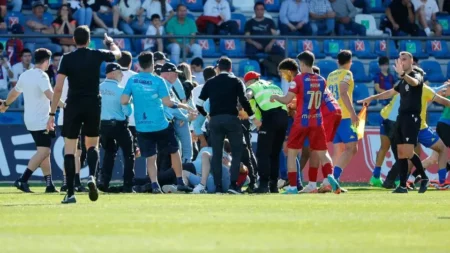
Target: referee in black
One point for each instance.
(407, 126)
(83, 104)
(224, 91)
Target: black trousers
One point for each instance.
(222, 126)
(248, 156)
(134, 134)
(115, 134)
(270, 142)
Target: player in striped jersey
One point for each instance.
(308, 88)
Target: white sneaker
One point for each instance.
(428, 31)
(325, 186)
(309, 189)
(199, 189)
(169, 188)
(116, 31)
(281, 183)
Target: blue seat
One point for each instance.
(381, 46)
(54, 4)
(326, 67)
(189, 15)
(248, 65)
(373, 68)
(359, 73)
(448, 70)
(123, 44)
(360, 92)
(373, 119)
(376, 6)
(193, 5)
(135, 65)
(174, 3)
(208, 48)
(362, 49)
(287, 46)
(414, 47)
(433, 70)
(444, 20)
(310, 45)
(231, 48)
(13, 18)
(240, 19)
(438, 49)
(433, 118)
(333, 47)
(271, 5)
(97, 42)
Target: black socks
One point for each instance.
(92, 160)
(69, 165)
(26, 175)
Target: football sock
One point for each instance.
(442, 175)
(312, 174)
(64, 180)
(26, 175)
(376, 172)
(418, 164)
(403, 163)
(69, 165)
(327, 169)
(292, 176)
(48, 180)
(92, 159)
(337, 173)
(155, 185)
(77, 179)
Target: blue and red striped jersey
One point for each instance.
(329, 104)
(309, 89)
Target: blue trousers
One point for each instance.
(184, 136)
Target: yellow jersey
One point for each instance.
(427, 96)
(390, 111)
(333, 83)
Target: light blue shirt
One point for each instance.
(198, 161)
(291, 11)
(176, 113)
(147, 91)
(197, 124)
(179, 89)
(112, 109)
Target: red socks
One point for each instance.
(292, 177)
(312, 174)
(242, 177)
(327, 169)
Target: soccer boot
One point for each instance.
(424, 183)
(291, 190)
(63, 188)
(376, 182)
(22, 186)
(389, 184)
(128, 189)
(69, 200)
(199, 189)
(335, 187)
(51, 189)
(93, 192)
(184, 188)
(234, 190)
(325, 186)
(400, 190)
(80, 188)
(157, 191)
(273, 187)
(170, 189)
(308, 189)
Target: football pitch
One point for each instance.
(363, 220)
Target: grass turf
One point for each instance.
(361, 221)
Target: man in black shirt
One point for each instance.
(408, 120)
(401, 19)
(223, 92)
(83, 104)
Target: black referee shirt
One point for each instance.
(223, 92)
(82, 68)
(410, 96)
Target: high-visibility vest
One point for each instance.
(261, 94)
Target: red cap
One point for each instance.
(251, 75)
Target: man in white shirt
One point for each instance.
(154, 7)
(426, 14)
(17, 70)
(220, 9)
(37, 91)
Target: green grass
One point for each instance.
(360, 221)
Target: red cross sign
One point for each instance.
(436, 46)
(229, 45)
(359, 45)
(203, 44)
(307, 45)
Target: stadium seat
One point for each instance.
(311, 45)
(362, 49)
(448, 70)
(193, 5)
(54, 4)
(231, 48)
(123, 44)
(240, 19)
(369, 22)
(444, 20)
(373, 68)
(174, 3)
(289, 47)
(376, 6)
(414, 47)
(271, 5)
(208, 48)
(326, 67)
(373, 119)
(333, 47)
(13, 18)
(433, 118)
(433, 70)
(96, 43)
(135, 65)
(359, 73)
(381, 46)
(438, 49)
(248, 65)
(361, 91)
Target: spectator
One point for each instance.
(5, 63)
(160, 58)
(65, 24)
(106, 15)
(53, 68)
(260, 25)
(294, 18)
(160, 7)
(14, 46)
(219, 9)
(426, 14)
(81, 11)
(383, 80)
(363, 4)
(4, 73)
(38, 23)
(197, 70)
(321, 17)
(3, 27)
(444, 6)
(132, 18)
(401, 20)
(3, 8)
(17, 70)
(345, 14)
(186, 80)
(180, 25)
(154, 29)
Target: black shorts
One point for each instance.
(81, 142)
(443, 131)
(407, 129)
(42, 138)
(86, 114)
(163, 140)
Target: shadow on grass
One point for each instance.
(24, 204)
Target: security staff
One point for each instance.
(114, 129)
(223, 92)
(271, 133)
